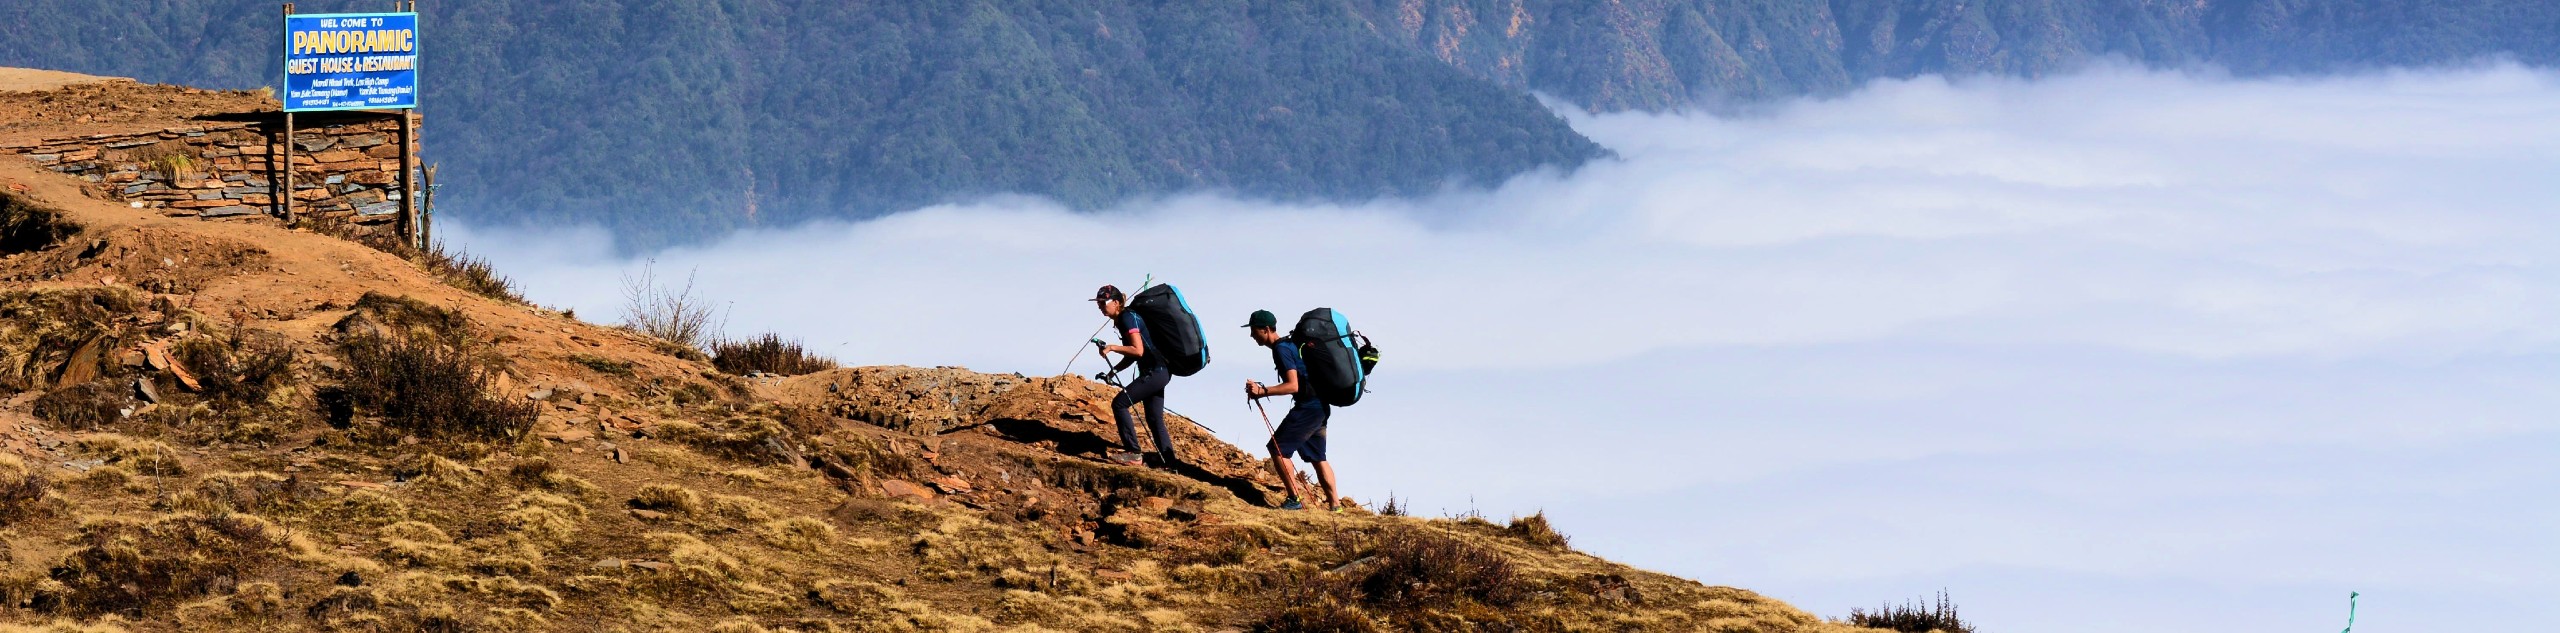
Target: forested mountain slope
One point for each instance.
(670, 120)
(1660, 54)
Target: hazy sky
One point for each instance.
(2122, 351)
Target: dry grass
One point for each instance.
(120, 564)
(1321, 615)
(545, 518)
(755, 440)
(422, 506)
(768, 353)
(669, 498)
(108, 624)
(253, 492)
(799, 534)
(143, 456)
(602, 365)
(540, 474)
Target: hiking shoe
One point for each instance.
(1128, 459)
(1292, 504)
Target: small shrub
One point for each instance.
(1915, 617)
(769, 353)
(418, 385)
(1412, 568)
(672, 314)
(468, 272)
(235, 371)
(83, 406)
(1534, 530)
(455, 267)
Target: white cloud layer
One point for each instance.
(2122, 351)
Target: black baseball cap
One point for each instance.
(1109, 293)
(1263, 319)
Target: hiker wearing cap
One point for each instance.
(1147, 389)
(1301, 432)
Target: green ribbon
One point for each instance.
(2351, 612)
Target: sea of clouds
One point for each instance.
(2125, 350)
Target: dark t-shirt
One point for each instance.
(1284, 359)
(1131, 325)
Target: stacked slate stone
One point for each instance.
(348, 171)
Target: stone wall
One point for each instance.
(346, 166)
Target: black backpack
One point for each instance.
(1173, 334)
(1338, 359)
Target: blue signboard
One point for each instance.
(350, 61)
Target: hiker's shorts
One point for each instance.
(1302, 431)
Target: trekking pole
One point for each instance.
(1266, 417)
(1090, 340)
(1096, 337)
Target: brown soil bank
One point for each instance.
(233, 425)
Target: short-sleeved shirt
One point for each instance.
(1285, 359)
(1130, 324)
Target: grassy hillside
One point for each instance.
(233, 426)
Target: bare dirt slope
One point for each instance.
(235, 425)
(40, 104)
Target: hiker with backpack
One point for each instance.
(1146, 389)
(1302, 430)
